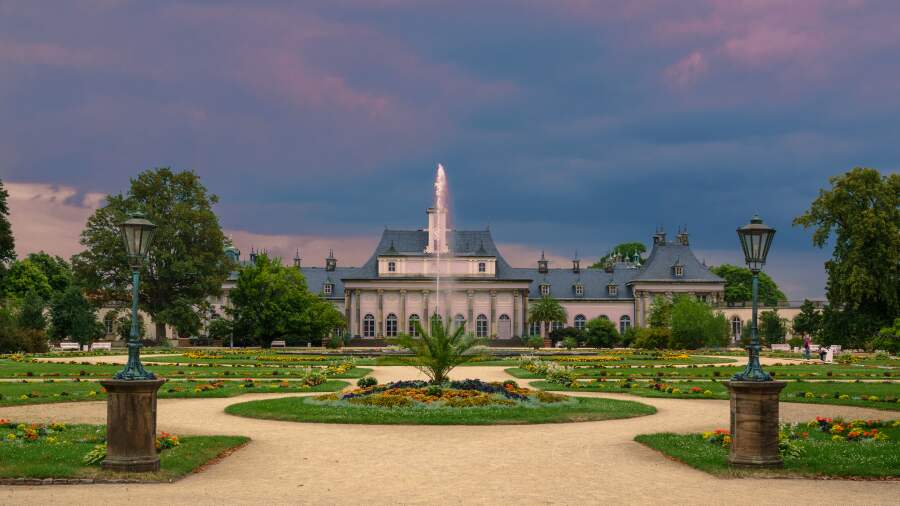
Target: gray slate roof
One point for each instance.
(658, 266)
(317, 276)
(595, 281)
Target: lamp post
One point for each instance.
(754, 396)
(131, 394)
(137, 232)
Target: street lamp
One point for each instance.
(137, 232)
(754, 396)
(756, 237)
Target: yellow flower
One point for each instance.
(837, 438)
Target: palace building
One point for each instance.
(461, 275)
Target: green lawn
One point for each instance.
(38, 392)
(822, 457)
(858, 392)
(823, 372)
(63, 459)
(302, 410)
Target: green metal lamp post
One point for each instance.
(137, 232)
(756, 237)
(754, 395)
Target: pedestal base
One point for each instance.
(754, 423)
(131, 425)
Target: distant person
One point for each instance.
(806, 343)
(822, 353)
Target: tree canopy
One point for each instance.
(271, 301)
(55, 268)
(601, 333)
(73, 316)
(660, 312)
(738, 285)
(546, 310)
(808, 321)
(860, 215)
(772, 328)
(23, 277)
(186, 263)
(7, 243)
(625, 250)
(695, 325)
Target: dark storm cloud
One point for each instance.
(564, 125)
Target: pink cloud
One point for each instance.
(687, 70)
(49, 218)
(43, 53)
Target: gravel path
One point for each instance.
(579, 463)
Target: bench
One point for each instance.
(781, 347)
(278, 344)
(69, 346)
(101, 345)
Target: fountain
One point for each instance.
(437, 233)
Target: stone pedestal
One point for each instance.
(754, 423)
(131, 425)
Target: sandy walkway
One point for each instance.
(582, 463)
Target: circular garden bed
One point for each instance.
(467, 402)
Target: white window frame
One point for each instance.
(328, 289)
(580, 321)
(481, 326)
(579, 289)
(624, 323)
(392, 266)
(678, 271)
(612, 290)
(390, 325)
(411, 325)
(368, 325)
(545, 289)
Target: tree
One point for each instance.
(565, 333)
(123, 325)
(13, 337)
(439, 351)
(271, 302)
(7, 243)
(55, 268)
(660, 313)
(888, 339)
(73, 316)
(808, 321)
(220, 328)
(650, 338)
(31, 316)
(545, 311)
(694, 325)
(601, 333)
(186, 263)
(625, 250)
(772, 327)
(861, 214)
(23, 277)
(738, 285)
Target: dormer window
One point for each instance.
(678, 271)
(392, 266)
(545, 289)
(482, 267)
(612, 290)
(579, 289)
(328, 288)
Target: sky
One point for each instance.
(564, 126)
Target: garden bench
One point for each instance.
(278, 344)
(101, 345)
(781, 347)
(69, 346)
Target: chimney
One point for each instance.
(543, 264)
(576, 263)
(659, 237)
(297, 259)
(330, 262)
(682, 236)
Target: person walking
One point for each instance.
(806, 342)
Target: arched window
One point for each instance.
(604, 317)
(413, 320)
(556, 326)
(624, 323)
(736, 327)
(369, 326)
(580, 321)
(534, 329)
(458, 321)
(390, 325)
(481, 326)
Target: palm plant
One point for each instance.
(439, 351)
(545, 311)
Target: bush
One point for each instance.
(653, 338)
(795, 342)
(367, 381)
(570, 343)
(694, 325)
(627, 339)
(601, 333)
(334, 342)
(567, 333)
(888, 339)
(536, 342)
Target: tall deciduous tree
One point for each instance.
(625, 250)
(772, 327)
(660, 312)
(186, 263)
(545, 311)
(73, 316)
(808, 321)
(31, 315)
(861, 214)
(738, 285)
(23, 277)
(694, 325)
(55, 268)
(601, 333)
(271, 302)
(7, 243)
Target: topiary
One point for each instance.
(536, 342)
(366, 382)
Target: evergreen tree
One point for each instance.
(860, 213)
(772, 327)
(31, 315)
(186, 263)
(808, 321)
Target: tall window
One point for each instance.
(481, 326)
(534, 329)
(109, 322)
(736, 328)
(368, 326)
(580, 321)
(413, 320)
(458, 321)
(390, 325)
(482, 267)
(624, 323)
(545, 289)
(392, 266)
